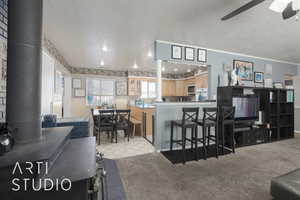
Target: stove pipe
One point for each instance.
(23, 109)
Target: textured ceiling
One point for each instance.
(129, 28)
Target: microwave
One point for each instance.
(191, 89)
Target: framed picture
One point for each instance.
(189, 54)
(244, 69)
(202, 55)
(79, 93)
(4, 70)
(278, 85)
(258, 77)
(121, 87)
(176, 52)
(77, 83)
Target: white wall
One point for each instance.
(47, 83)
(49, 103)
(297, 102)
(67, 97)
(79, 107)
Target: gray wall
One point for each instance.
(297, 103)
(216, 60)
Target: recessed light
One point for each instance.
(175, 70)
(102, 63)
(189, 70)
(163, 69)
(150, 54)
(135, 66)
(104, 48)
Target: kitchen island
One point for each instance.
(164, 113)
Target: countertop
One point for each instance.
(52, 139)
(147, 106)
(184, 103)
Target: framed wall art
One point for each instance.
(258, 77)
(244, 69)
(189, 54)
(121, 88)
(201, 55)
(176, 52)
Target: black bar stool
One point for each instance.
(209, 120)
(227, 119)
(189, 121)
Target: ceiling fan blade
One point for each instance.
(289, 12)
(242, 9)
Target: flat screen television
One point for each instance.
(246, 107)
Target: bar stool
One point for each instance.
(209, 120)
(189, 121)
(227, 119)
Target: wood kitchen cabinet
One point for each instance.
(164, 91)
(180, 88)
(137, 113)
(188, 82)
(202, 81)
(168, 88)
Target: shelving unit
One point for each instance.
(2, 106)
(282, 110)
(278, 108)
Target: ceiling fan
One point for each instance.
(288, 8)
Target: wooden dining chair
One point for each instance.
(96, 124)
(106, 122)
(122, 123)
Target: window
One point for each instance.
(148, 90)
(100, 91)
(144, 89)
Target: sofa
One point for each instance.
(80, 125)
(287, 186)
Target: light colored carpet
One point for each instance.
(244, 175)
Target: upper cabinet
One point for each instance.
(168, 88)
(180, 88)
(201, 81)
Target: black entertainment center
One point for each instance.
(262, 114)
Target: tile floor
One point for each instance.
(123, 149)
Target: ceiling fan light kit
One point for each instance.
(288, 8)
(279, 5)
(289, 12)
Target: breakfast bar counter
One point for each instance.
(164, 113)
